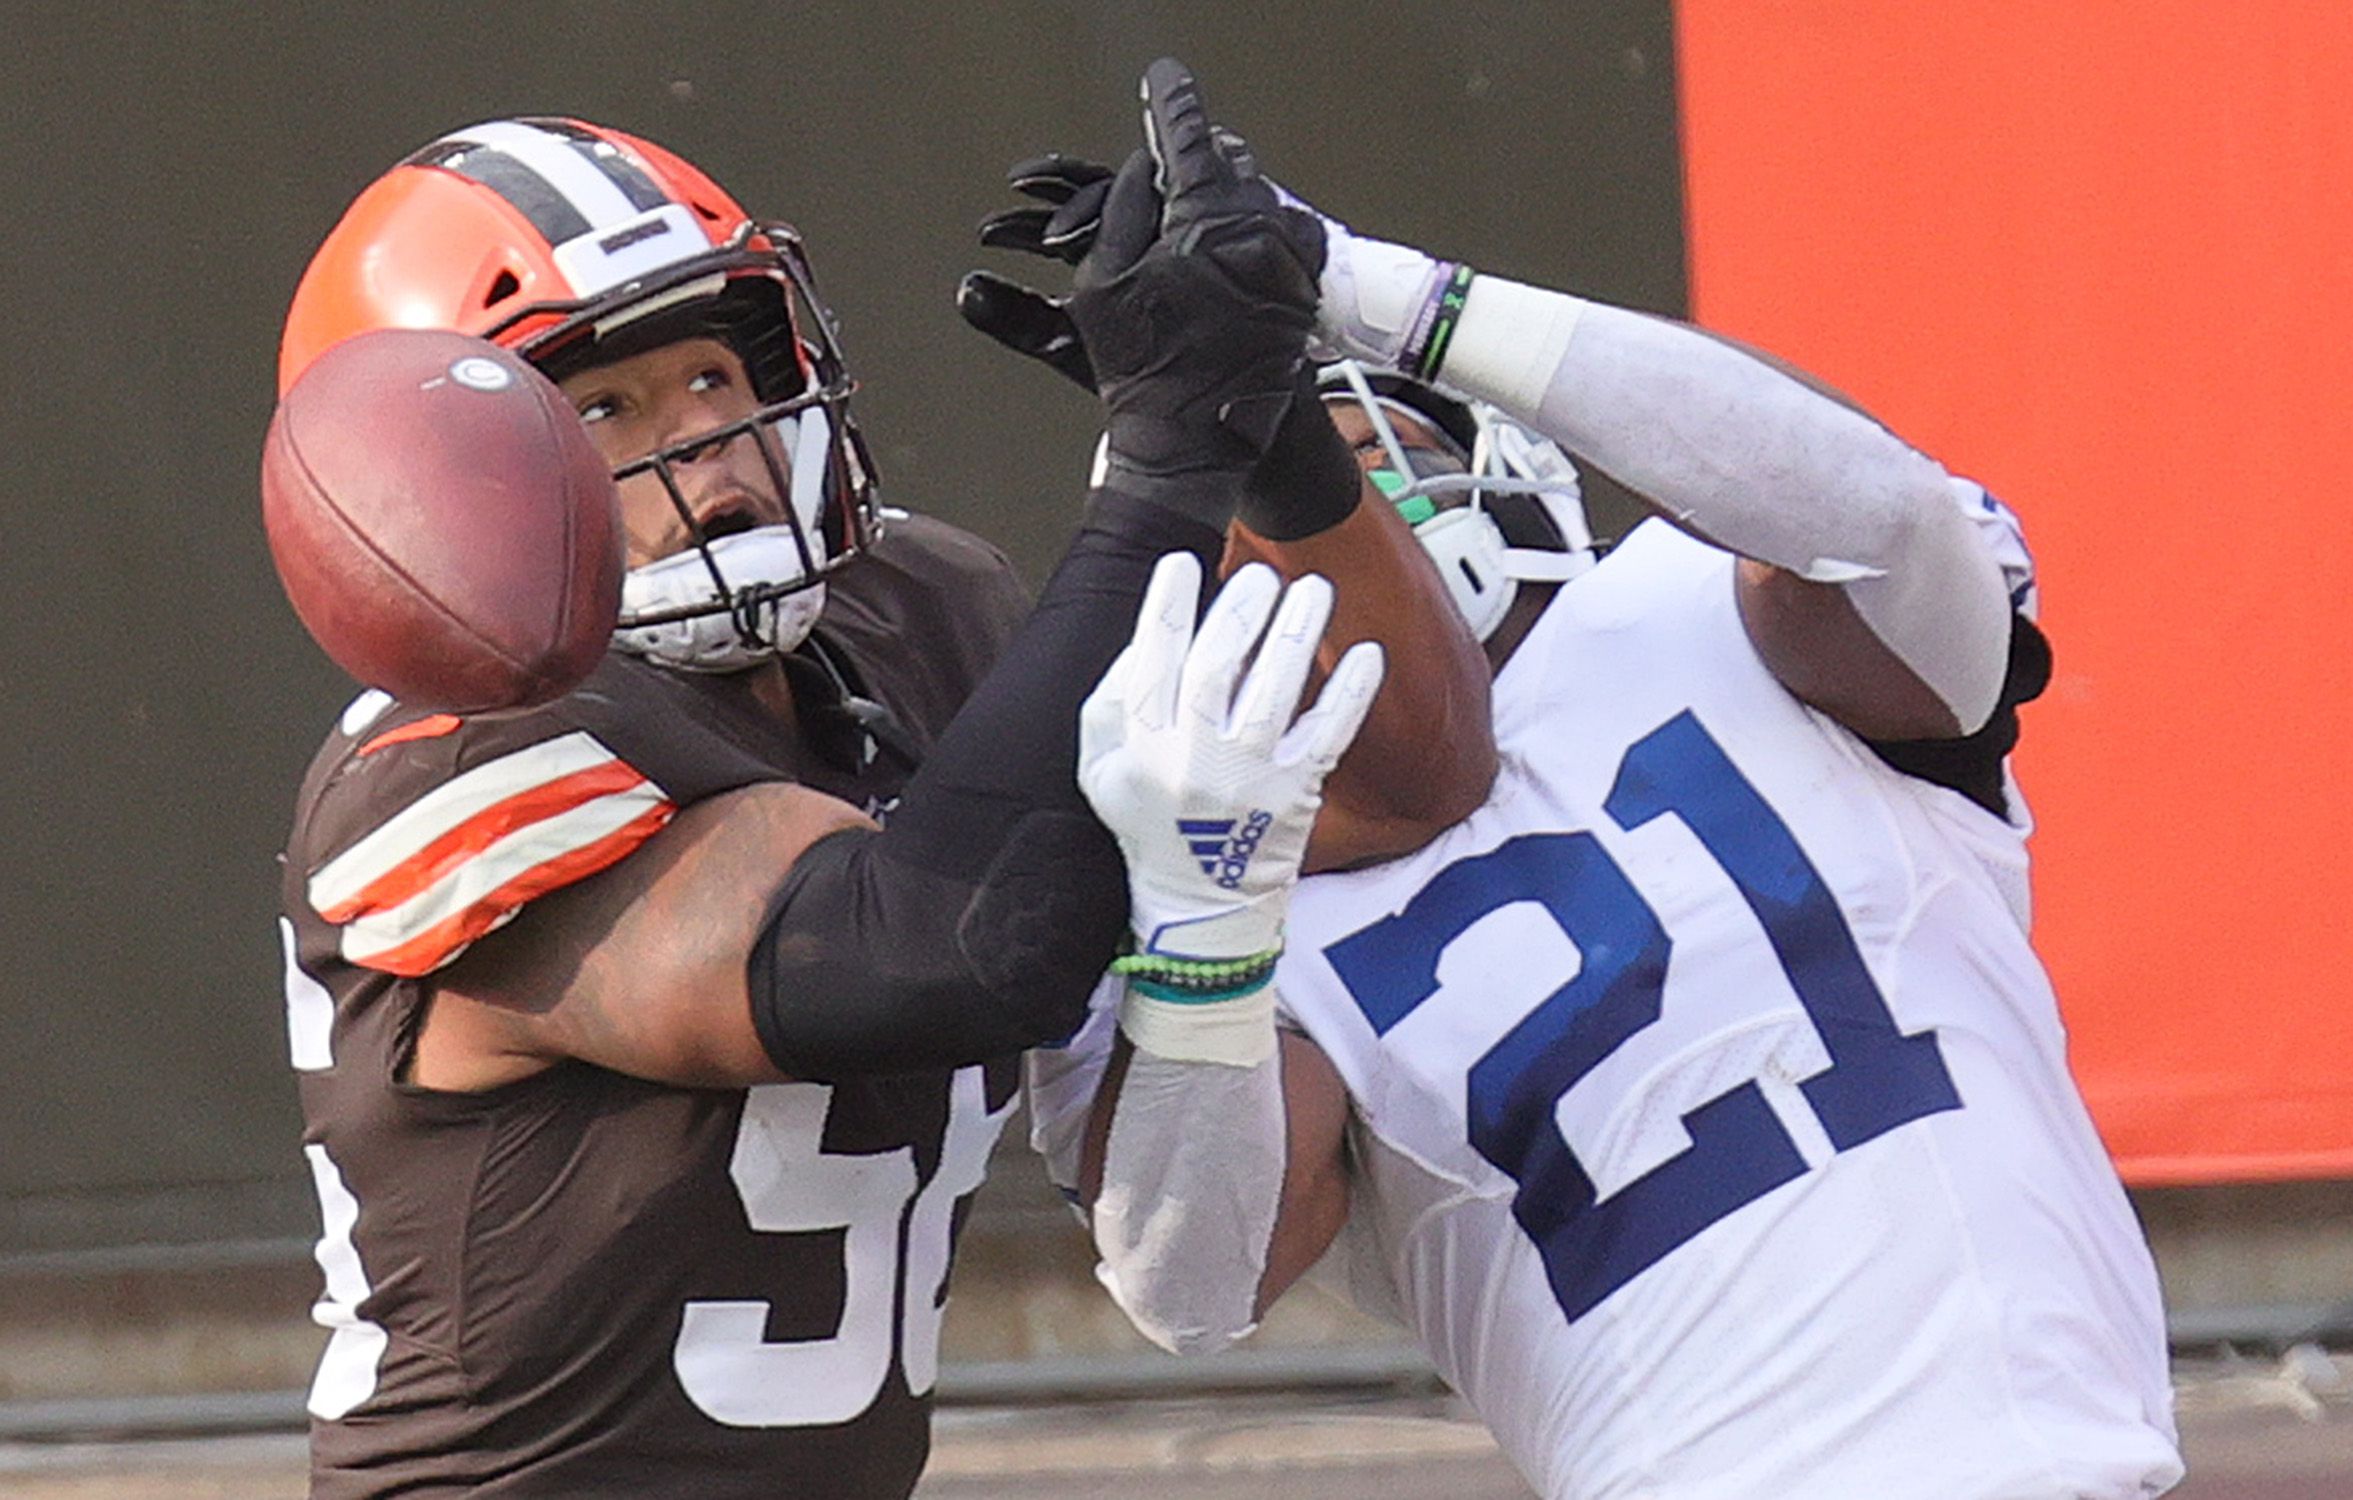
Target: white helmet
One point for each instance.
(1525, 515)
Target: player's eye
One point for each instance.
(713, 379)
(599, 409)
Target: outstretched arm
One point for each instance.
(1212, 1169)
(1869, 591)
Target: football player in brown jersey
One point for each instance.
(650, 1040)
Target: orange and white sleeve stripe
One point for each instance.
(466, 857)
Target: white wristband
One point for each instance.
(1239, 1033)
(1509, 343)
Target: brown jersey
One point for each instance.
(584, 1283)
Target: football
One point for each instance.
(441, 521)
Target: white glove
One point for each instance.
(1211, 791)
(1379, 303)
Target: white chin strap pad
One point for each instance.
(1483, 573)
(1467, 546)
(710, 642)
(768, 555)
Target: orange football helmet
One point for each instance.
(572, 243)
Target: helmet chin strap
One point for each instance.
(1468, 549)
(1482, 571)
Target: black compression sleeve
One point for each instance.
(873, 964)
(1972, 765)
(1014, 747)
(977, 923)
(1308, 481)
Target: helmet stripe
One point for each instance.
(560, 180)
(642, 191)
(579, 177)
(531, 195)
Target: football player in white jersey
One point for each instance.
(1699, 1102)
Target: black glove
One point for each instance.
(1023, 319)
(1194, 304)
(1190, 314)
(1076, 189)
(1026, 321)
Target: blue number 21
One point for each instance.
(1878, 1077)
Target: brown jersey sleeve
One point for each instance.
(419, 833)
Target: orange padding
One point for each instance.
(2098, 257)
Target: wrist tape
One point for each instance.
(1238, 1032)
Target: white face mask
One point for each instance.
(768, 556)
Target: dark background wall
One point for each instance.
(171, 165)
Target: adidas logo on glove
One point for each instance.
(1224, 853)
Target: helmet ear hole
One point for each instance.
(1468, 550)
(502, 286)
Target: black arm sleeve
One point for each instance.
(1308, 481)
(978, 922)
(1972, 764)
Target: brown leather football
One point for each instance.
(441, 521)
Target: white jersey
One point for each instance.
(1713, 1123)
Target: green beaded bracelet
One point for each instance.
(1195, 981)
